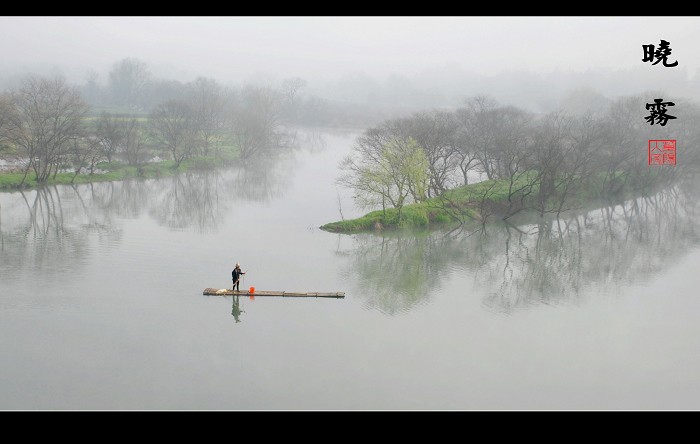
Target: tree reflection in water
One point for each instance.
(54, 232)
(55, 228)
(547, 262)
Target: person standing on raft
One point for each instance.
(236, 276)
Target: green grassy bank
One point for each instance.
(429, 213)
(119, 171)
(479, 201)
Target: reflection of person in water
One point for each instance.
(236, 276)
(236, 310)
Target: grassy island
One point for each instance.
(500, 199)
(429, 213)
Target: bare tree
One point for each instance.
(478, 121)
(84, 149)
(435, 133)
(688, 131)
(109, 130)
(466, 150)
(127, 80)
(92, 90)
(172, 125)
(504, 150)
(256, 121)
(624, 158)
(133, 146)
(9, 119)
(587, 135)
(339, 203)
(291, 89)
(51, 115)
(552, 143)
(207, 100)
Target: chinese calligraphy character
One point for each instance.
(661, 54)
(658, 112)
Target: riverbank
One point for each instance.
(115, 170)
(450, 207)
(491, 199)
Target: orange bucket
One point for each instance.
(252, 290)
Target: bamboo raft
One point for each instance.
(226, 292)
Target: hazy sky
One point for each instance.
(326, 47)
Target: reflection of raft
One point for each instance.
(226, 292)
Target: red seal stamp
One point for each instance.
(662, 152)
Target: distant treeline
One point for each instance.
(131, 87)
(47, 125)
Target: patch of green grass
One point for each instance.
(421, 215)
(12, 180)
(465, 201)
(117, 170)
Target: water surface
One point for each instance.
(101, 303)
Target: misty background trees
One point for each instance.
(127, 81)
(47, 125)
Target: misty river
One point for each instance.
(101, 303)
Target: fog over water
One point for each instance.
(531, 62)
(592, 306)
(101, 303)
